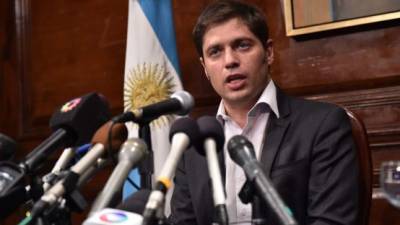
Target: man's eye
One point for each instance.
(213, 52)
(244, 45)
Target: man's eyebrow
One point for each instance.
(212, 46)
(231, 42)
(240, 39)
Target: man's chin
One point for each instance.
(238, 99)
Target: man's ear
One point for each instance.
(204, 67)
(270, 52)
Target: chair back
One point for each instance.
(365, 163)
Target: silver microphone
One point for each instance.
(131, 153)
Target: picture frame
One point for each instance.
(294, 29)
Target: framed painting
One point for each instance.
(310, 16)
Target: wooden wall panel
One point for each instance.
(185, 16)
(60, 51)
(76, 49)
(52, 51)
(4, 5)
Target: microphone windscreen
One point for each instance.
(81, 117)
(136, 202)
(8, 147)
(210, 128)
(186, 100)
(188, 126)
(240, 149)
(119, 134)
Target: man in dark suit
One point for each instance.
(305, 147)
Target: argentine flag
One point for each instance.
(151, 72)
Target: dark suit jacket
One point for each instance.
(310, 157)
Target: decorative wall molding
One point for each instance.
(362, 101)
(362, 98)
(23, 23)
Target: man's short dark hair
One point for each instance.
(223, 10)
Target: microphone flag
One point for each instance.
(151, 72)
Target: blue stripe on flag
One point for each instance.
(159, 14)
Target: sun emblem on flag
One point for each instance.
(147, 84)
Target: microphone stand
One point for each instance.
(248, 195)
(60, 213)
(146, 167)
(258, 211)
(57, 216)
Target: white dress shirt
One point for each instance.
(254, 130)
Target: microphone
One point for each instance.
(66, 156)
(99, 165)
(74, 124)
(11, 192)
(212, 135)
(181, 102)
(7, 148)
(127, 213)
(68, 184)
(131, 153)
(110, 216)
(184, 133)
(242, 153)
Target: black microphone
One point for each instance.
(213, 138)
(9, 172)
(242, 153)
(73, 123)
(184, 133)
(180, 103)
(8, 148)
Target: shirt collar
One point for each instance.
(268, 97)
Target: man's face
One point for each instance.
(235, 62)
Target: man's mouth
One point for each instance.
(235, 78)
(236, 81)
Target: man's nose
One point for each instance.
(231, 59)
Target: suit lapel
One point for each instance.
(200, 185)
(275, 131)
